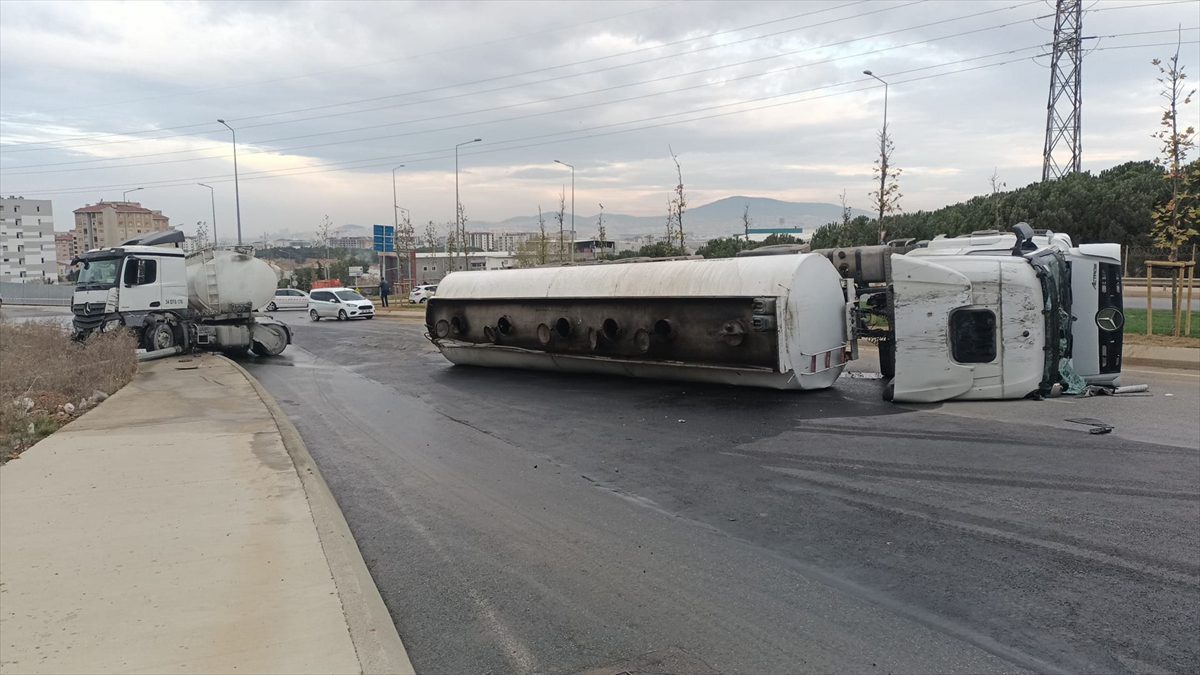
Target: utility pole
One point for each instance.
(212, 198)
(1063, 150)
(459, 230)
(883, 155)
(237, 196)
(395, 226)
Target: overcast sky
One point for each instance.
(762, 99)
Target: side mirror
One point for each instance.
(1024, 238)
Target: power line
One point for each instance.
(418, 157)
(495, 78)
(602, 90)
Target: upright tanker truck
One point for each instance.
(177, 301)
(985, 316)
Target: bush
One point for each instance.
(47, 379)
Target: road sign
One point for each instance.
(384, 239)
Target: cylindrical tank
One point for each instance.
(772, 321)
(222, 282)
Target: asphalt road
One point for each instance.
(530, 522)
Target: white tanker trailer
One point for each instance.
(988, 316)
(177, 301)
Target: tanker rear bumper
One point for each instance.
(503, 356)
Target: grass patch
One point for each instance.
(1135, 322)
(47, 379)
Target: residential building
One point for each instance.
(513, 241)
(351, 242)
(431, 267)
(482, 241)
(27, 245)
(65, 248)
(106, 224)
(590, 249)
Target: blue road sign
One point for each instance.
(384, 238)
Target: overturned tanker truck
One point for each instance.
(984, 316)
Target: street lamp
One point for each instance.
(458, 233)
(125, 194)
(212, 196)
(237, 197)
(883, 165)
(572, 168)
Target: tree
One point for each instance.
(323, 231)
(1174, 223)
(679, 203)
(201, 235)
(406, 241)
(431, 236)
(997, 197)
(887, 197)
(745, 222)
(725, 247)
(543, 245)
(600, 233)
(559, 215)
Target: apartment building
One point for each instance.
(112, 223)
(27, 245)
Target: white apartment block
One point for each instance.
(27, 248)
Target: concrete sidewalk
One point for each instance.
(182, 527)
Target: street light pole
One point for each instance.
(395, 224)
(458, 233)
(125, 194)
(883, 164)
(572, 168)
(237, 197)
(212, 196)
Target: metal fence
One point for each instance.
(36, 294)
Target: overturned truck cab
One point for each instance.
(987, 316)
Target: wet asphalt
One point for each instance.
(530, 522)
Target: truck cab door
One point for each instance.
(141, 288)
(925, 295)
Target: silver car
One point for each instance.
(340, 303)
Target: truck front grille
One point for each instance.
(1110, 297)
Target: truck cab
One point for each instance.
(123, 286)
(1003, 315)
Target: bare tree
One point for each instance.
(680, 201)
(406, 241)
(460, 235)
(543, 245)
(559, 216)
(997, 197)
(600, 233)
(746, 221)
(846, 211)
(201, 235)
(323, 231)
(887, 197)
(1173, 221)
(431, 236)
(669, 239)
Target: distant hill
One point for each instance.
(715, 219)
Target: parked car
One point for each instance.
(422, 293)
(288, 298)
(340, 303)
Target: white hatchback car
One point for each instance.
(422, 293)
(340, 303)
(288, 298)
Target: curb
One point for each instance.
(378, 645)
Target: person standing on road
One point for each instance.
(385, 289)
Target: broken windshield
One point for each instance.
(98, 274)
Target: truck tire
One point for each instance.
(887, 359)
(313, 315)
(158, 335)
(269, 340)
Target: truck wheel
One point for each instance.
(269, 340)
(158, 335)
(342, 315)
(887, 359)
(312, 314)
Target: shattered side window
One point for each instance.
(973, 335)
